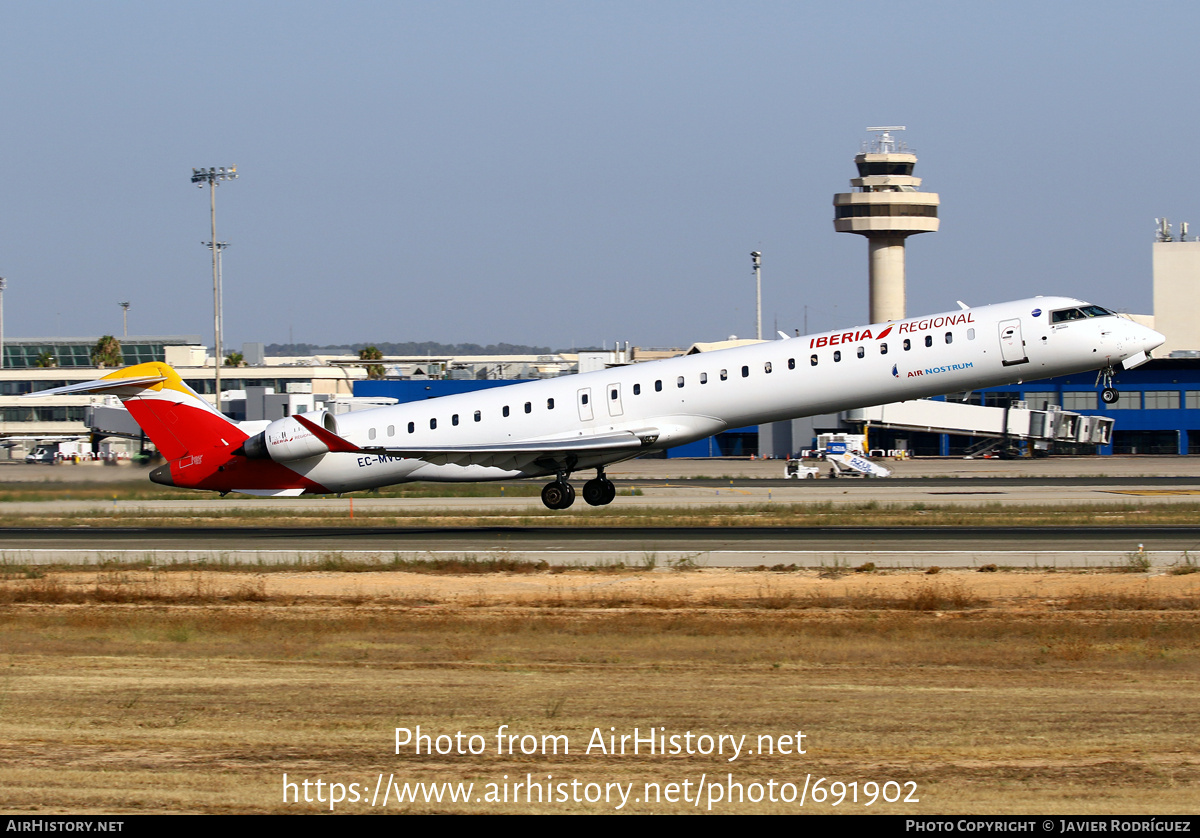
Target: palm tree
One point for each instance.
(46, 359)
(107, 352)
(371, 353)
(235, 359)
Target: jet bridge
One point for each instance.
(999, 425)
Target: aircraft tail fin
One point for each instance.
(175, 417)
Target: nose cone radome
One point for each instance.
(1152, 340)
(162, 475)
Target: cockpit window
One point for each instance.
(1063, 315)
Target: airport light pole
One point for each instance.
(213, 176)
(220, 284)
(124, 319)
(3, 282)
(756, 260)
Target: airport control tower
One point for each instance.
(887, 208)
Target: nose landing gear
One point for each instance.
(1109, 394)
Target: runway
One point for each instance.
(697, 484)
(893, 547)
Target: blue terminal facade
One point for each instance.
(1158, 411)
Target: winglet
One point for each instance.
(332, 441)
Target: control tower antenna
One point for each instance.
(887, 208)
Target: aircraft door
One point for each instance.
(585, 404)
(1012, 345)
(614, 400)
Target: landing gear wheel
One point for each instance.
(1105, 377)
(558, 495)
(599, 492)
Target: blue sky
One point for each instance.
(571, 173)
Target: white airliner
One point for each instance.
(560, 426)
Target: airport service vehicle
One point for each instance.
(557, 427)
(51, 453)
(795, 469)
(854, 465)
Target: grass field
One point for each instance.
(151, 691)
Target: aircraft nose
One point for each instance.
(1151, 339)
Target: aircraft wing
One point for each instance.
(510, 455)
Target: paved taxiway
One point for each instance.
(664, 547)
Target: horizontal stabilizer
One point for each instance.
(102, 385)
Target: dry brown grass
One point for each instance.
(995, 693)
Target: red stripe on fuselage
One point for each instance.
(220, 472)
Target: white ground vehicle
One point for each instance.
(796, 469)
(49, 453)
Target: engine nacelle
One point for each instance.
(285, 440)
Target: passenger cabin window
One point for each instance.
(371, 434)
(949, 337)
(637, 389)
(550, 404)
(883, 349)
(767, 367)
(813, 360)
(391, 430)
(703, 378)
(433, 424)
(679, 382)
(970, 334)
(837, 355)
(504, 410)
(658, 386)
(745, 372)
(454, 419)
(724, 375)
(862, 352)
(907, 344)
(412, 426)
(529, 407)
(478, 416)
(929, 340)
(791, 363)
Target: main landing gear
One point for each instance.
(1109, 394)
(597, 492)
